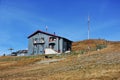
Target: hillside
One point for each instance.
(103, 64)
(92, 44)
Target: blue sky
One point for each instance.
(67, 18)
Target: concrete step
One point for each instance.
(50, 51)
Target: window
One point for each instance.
(42, 40)
(36, 39)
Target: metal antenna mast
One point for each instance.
(88, 27)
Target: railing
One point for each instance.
(39, 42)
(52, 40)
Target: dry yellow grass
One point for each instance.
(99, 65)
(83, 45)
(10, 61)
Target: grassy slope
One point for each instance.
(83, 45)
(98, 65)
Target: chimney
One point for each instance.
(54, 33)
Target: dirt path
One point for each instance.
(47, 61)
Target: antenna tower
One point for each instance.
(88, 27)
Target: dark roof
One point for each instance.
(39, 31)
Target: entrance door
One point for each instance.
(51, 45)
